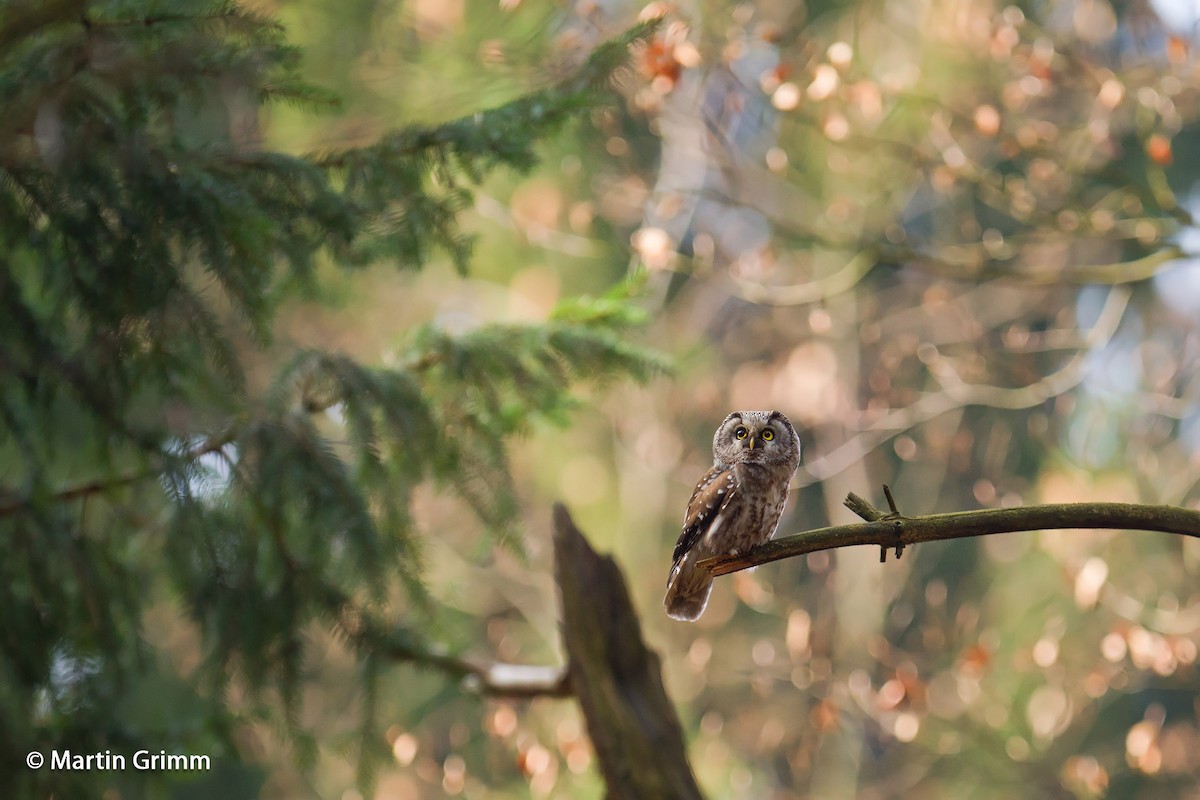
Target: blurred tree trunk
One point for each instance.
(858, 600)
(631, 721)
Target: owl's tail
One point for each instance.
(688, 588)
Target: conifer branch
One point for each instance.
(888, 530)
(226, 14)
(14, 503)
(27, 17)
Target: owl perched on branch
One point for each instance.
(736, 505)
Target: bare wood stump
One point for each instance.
(617, 680)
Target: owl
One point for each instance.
(736, 505)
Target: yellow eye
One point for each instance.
(768, 435)
(740, 433)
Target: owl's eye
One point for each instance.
(740, 433)
(768, 435)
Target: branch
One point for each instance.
(22, 19)
(1115, 273)
(843, 280)
(151, 20)
(495, 679)
(887, 530)
(954, 393)
(11, 503)
(866, 260)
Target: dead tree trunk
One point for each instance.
(632, 724)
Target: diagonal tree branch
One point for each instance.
(893, 530)
(494, 679)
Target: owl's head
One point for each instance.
(757, 436)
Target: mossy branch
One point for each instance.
(894, 530)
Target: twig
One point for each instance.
(863, 508)
(887, 530)
(891, 501)
(872, 514)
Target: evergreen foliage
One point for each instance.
(138, 242)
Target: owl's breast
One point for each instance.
(761, 495)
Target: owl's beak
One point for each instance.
(751, 442)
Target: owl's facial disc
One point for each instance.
(754, 436)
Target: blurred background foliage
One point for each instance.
(952, 239)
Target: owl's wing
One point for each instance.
(713, 495)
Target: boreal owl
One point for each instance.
(736, 505)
